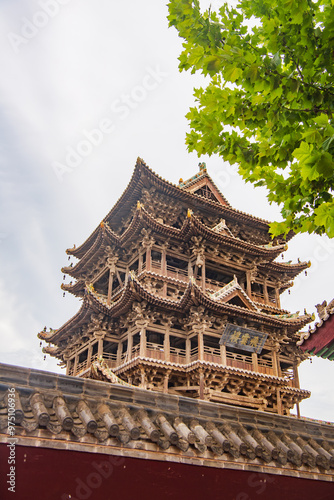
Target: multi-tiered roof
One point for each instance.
(181, 294)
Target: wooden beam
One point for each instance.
(119, 277)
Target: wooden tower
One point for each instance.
(181, 294)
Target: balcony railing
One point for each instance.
(212, 355)
(155, 351)
(178, 355)
(239, 361)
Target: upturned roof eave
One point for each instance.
(131, 194)
(192, 226)
(187, 300)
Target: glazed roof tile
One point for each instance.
(53, 410)
(191, 226)
(132, 194)
(319, 339)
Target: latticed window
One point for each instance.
(206, 192)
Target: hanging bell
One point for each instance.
(40, 344)
(64, 277)
(289, 291)
(44, 358)
(282, 256)
(305, 273)
(64, 294)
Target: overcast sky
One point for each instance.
(86, 87)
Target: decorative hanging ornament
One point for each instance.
(305, 273)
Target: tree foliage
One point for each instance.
(269, 103)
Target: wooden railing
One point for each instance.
(259, 297)
(265, 366)
(177, 355)
(239, 361)
(82, 366)
(155, 351)
(109, 358)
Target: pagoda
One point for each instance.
(181, 294)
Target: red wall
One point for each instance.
(46, 474)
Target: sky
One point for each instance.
(87, 87)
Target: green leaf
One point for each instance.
(232, 73)
(267, 103)
(303, 153)
(324, 216)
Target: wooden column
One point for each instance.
(130, 343)
(89, 354)
(249, 284)
(277, 297)
(148, 258)
(188, 349)
(143, 381)
(254, 362)
(276, 366)
(201, 385)
(164, 267)
(119, 353)
(142, 351)
(140, 262)
(166, 378)
(76, 359)
(203, 274)
(279, 402)
(298, 410)
(295, 375)
(68, 362)
(164, 261)
(190, 269)
(200, 345)
(265, 292)
(223, 355)
(111, 279)
(100, 347)
(167, 345)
